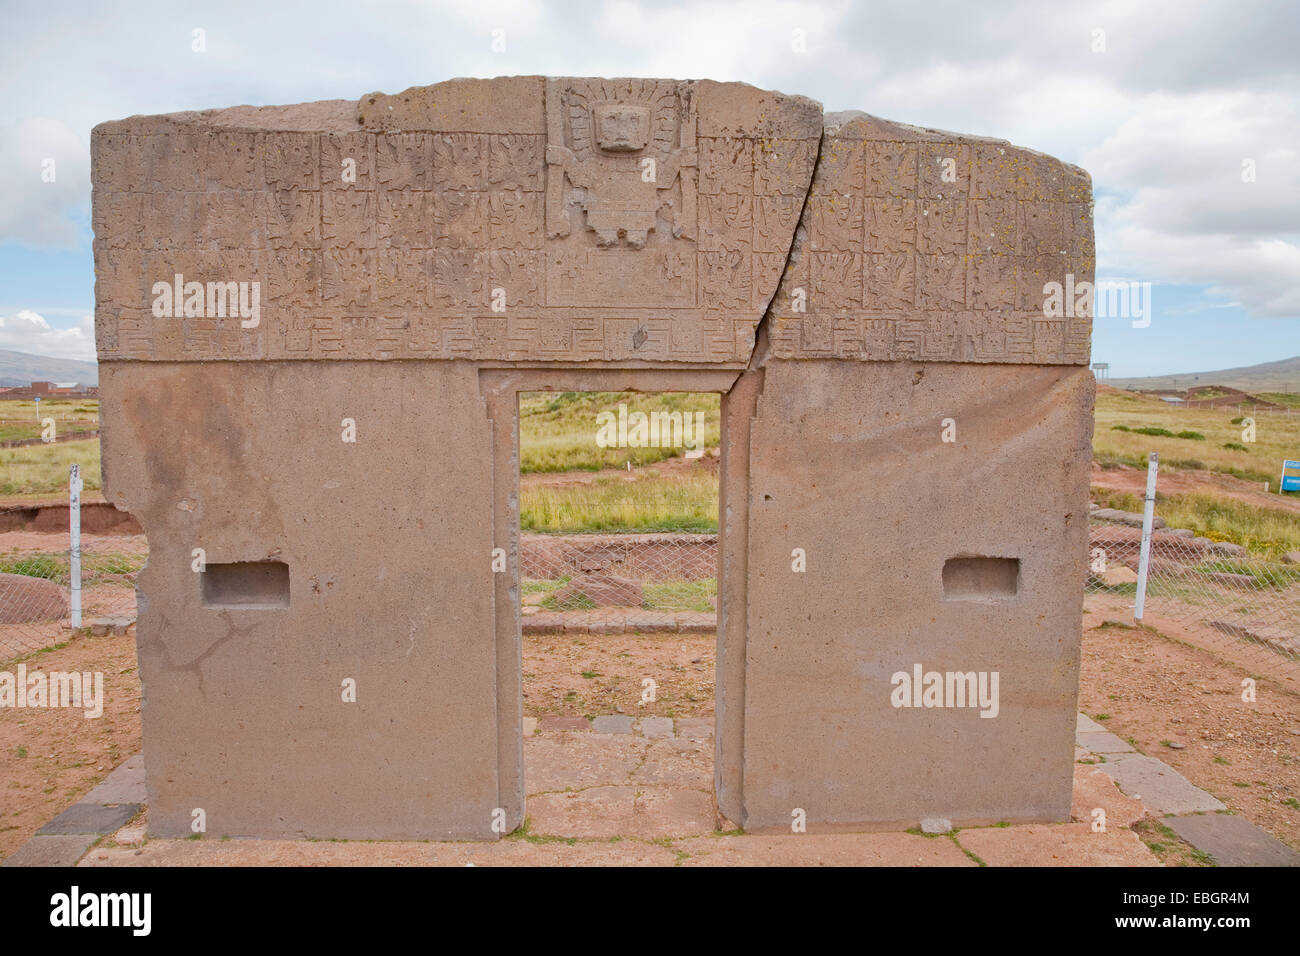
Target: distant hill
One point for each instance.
(1279, 376)
(19, 368)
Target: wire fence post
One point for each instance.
(74, 551)
(1148, 517)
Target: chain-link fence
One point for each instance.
(619, 582)
(1216, 588)
(40, 602)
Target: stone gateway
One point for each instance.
(901, 414)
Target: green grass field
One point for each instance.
(682, 503)
(41, 471)
(1266, 532)
(19, 420)
(1118, 437)
(558, 430)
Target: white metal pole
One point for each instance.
(1148, 516)
(74, 522)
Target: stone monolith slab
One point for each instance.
(314, 322)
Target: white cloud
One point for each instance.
(28, 331)
(1178, 209)
(44, 183)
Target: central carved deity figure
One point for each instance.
(620, 161)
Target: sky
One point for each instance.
(1187, 115)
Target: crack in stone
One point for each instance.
(758, 355)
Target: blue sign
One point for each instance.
(1290, 482)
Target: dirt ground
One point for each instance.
(556, 669)
(1175, 482)
(1155, 690)
(16, 542)
(50, 757)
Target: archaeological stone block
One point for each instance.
(314, 322)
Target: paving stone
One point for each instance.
(124, 785)
(530, 726)
(62, 850)
(645, 813)
(656, 726)
(613, 724)
(564, 723)
(506, 852)
(1159, 786)
(821, 849)
(1083, 724)
(89, 818)
(1103, 742)
(695, 727)
(1093, 789)
(668, 811)
(575, 761)
(1233, 840)
(1062, 844)
(674, 762)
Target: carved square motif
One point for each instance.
(292, 218)
(404, 160)
(992, 282)
(1034, 272)
(836, 222)
(890, 225)
(837, 282)
(993, 226)
(726, 166)
(878, 336)
(517, 273)
(726, 221)
(890, 168)
(841, 168)
(941, 226)
(461, 218)
(994, 172)
(943, 170)
(781, 166)
(405, 218)
(231, 162)
(726, 279)
(775, 218)
(514, 219)
(458, 280)
(405, 278)
(348, 277)
(889, 282)
(348, 218)
(291, 160)
(459, 161)
(347, 161)
(940, 282)
(516, 161)
(1042, 228)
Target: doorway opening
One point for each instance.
(618, 571)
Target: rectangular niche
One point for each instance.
(246, 584)
(973, 578)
